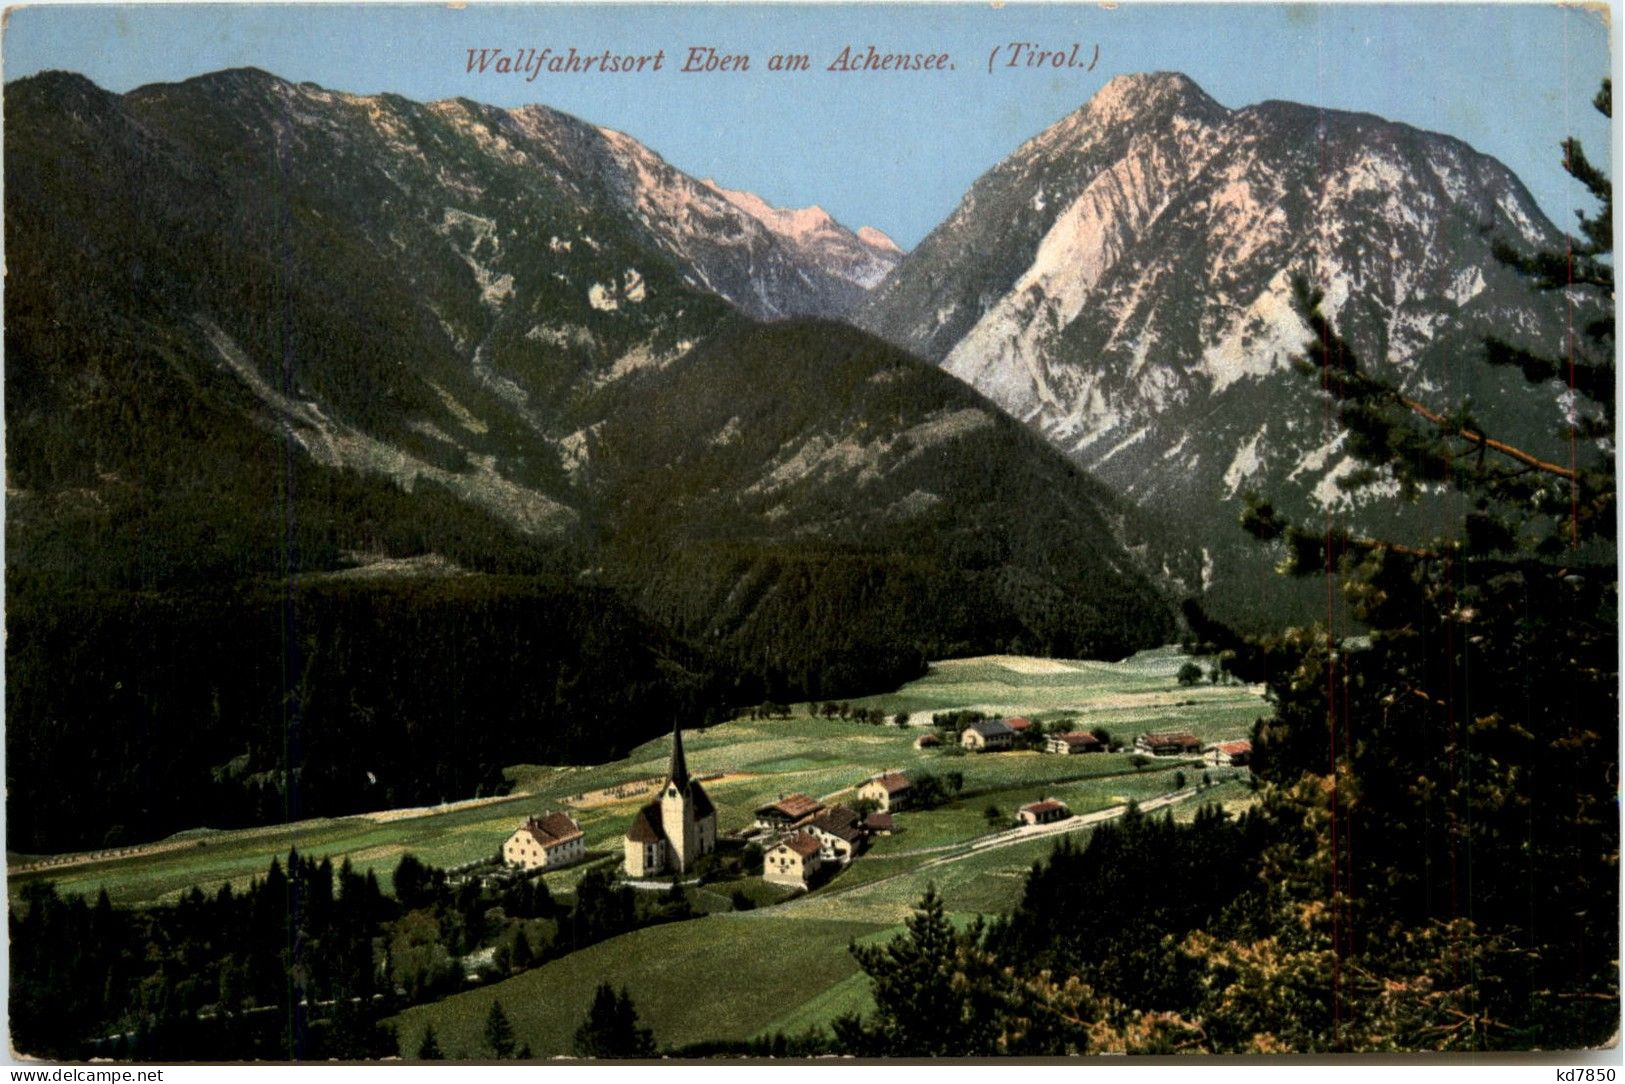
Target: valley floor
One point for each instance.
(737, 974)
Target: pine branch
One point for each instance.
(1594, 381)
(1578, 166)
(1559, 271)
(1487, 442)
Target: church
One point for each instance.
(672, 832)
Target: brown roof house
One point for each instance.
(986, 736)
(1168, 743)
(1235, 753)
(545, 842)
(675, 830)
(840, 834)
(789, 810)
(1076, 742)
(793, 861)
(888, 790)
(1047, 811)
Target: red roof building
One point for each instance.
(793, 861)
(553, 839)
(1047, 811)
(1077, 742)
(888, 790)
(789, 810)
(1168, 743)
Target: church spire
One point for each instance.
(678, 775)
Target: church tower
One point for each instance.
(677, 809)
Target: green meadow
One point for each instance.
(785, 966)
(764, 759)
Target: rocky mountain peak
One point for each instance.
(1123, 283)
(820, 240)
(877, 239)
(1127, 98)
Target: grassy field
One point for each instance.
(720, 977)
(783, 967)
(763, 759)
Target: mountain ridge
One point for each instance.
(1123, 283)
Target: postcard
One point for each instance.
(780, 531)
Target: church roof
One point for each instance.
(678, 772)
(646, 825)
(700, 800)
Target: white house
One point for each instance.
(987, 736)
(888, 790)
(793, 860)
(553, 839)
(839, 832)
(1076, 742)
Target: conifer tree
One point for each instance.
(499, 1032)
(611, 1029)
(1461, 743)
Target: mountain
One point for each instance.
(306, 390)
(821, 490)
(861, 259)
(1123, 283)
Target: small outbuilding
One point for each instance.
(1047, 811)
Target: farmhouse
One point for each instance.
(1019, 725)
(793, 861)
(1076, 742)
(1231, 753)
(789, 810)
(545, 842)
(1047, 811)
(888, 790)
(986, 736)
(674, 831)
(1168, 743)
(839, 832)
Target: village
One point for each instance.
(804, 825)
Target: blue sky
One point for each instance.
(894, 150)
